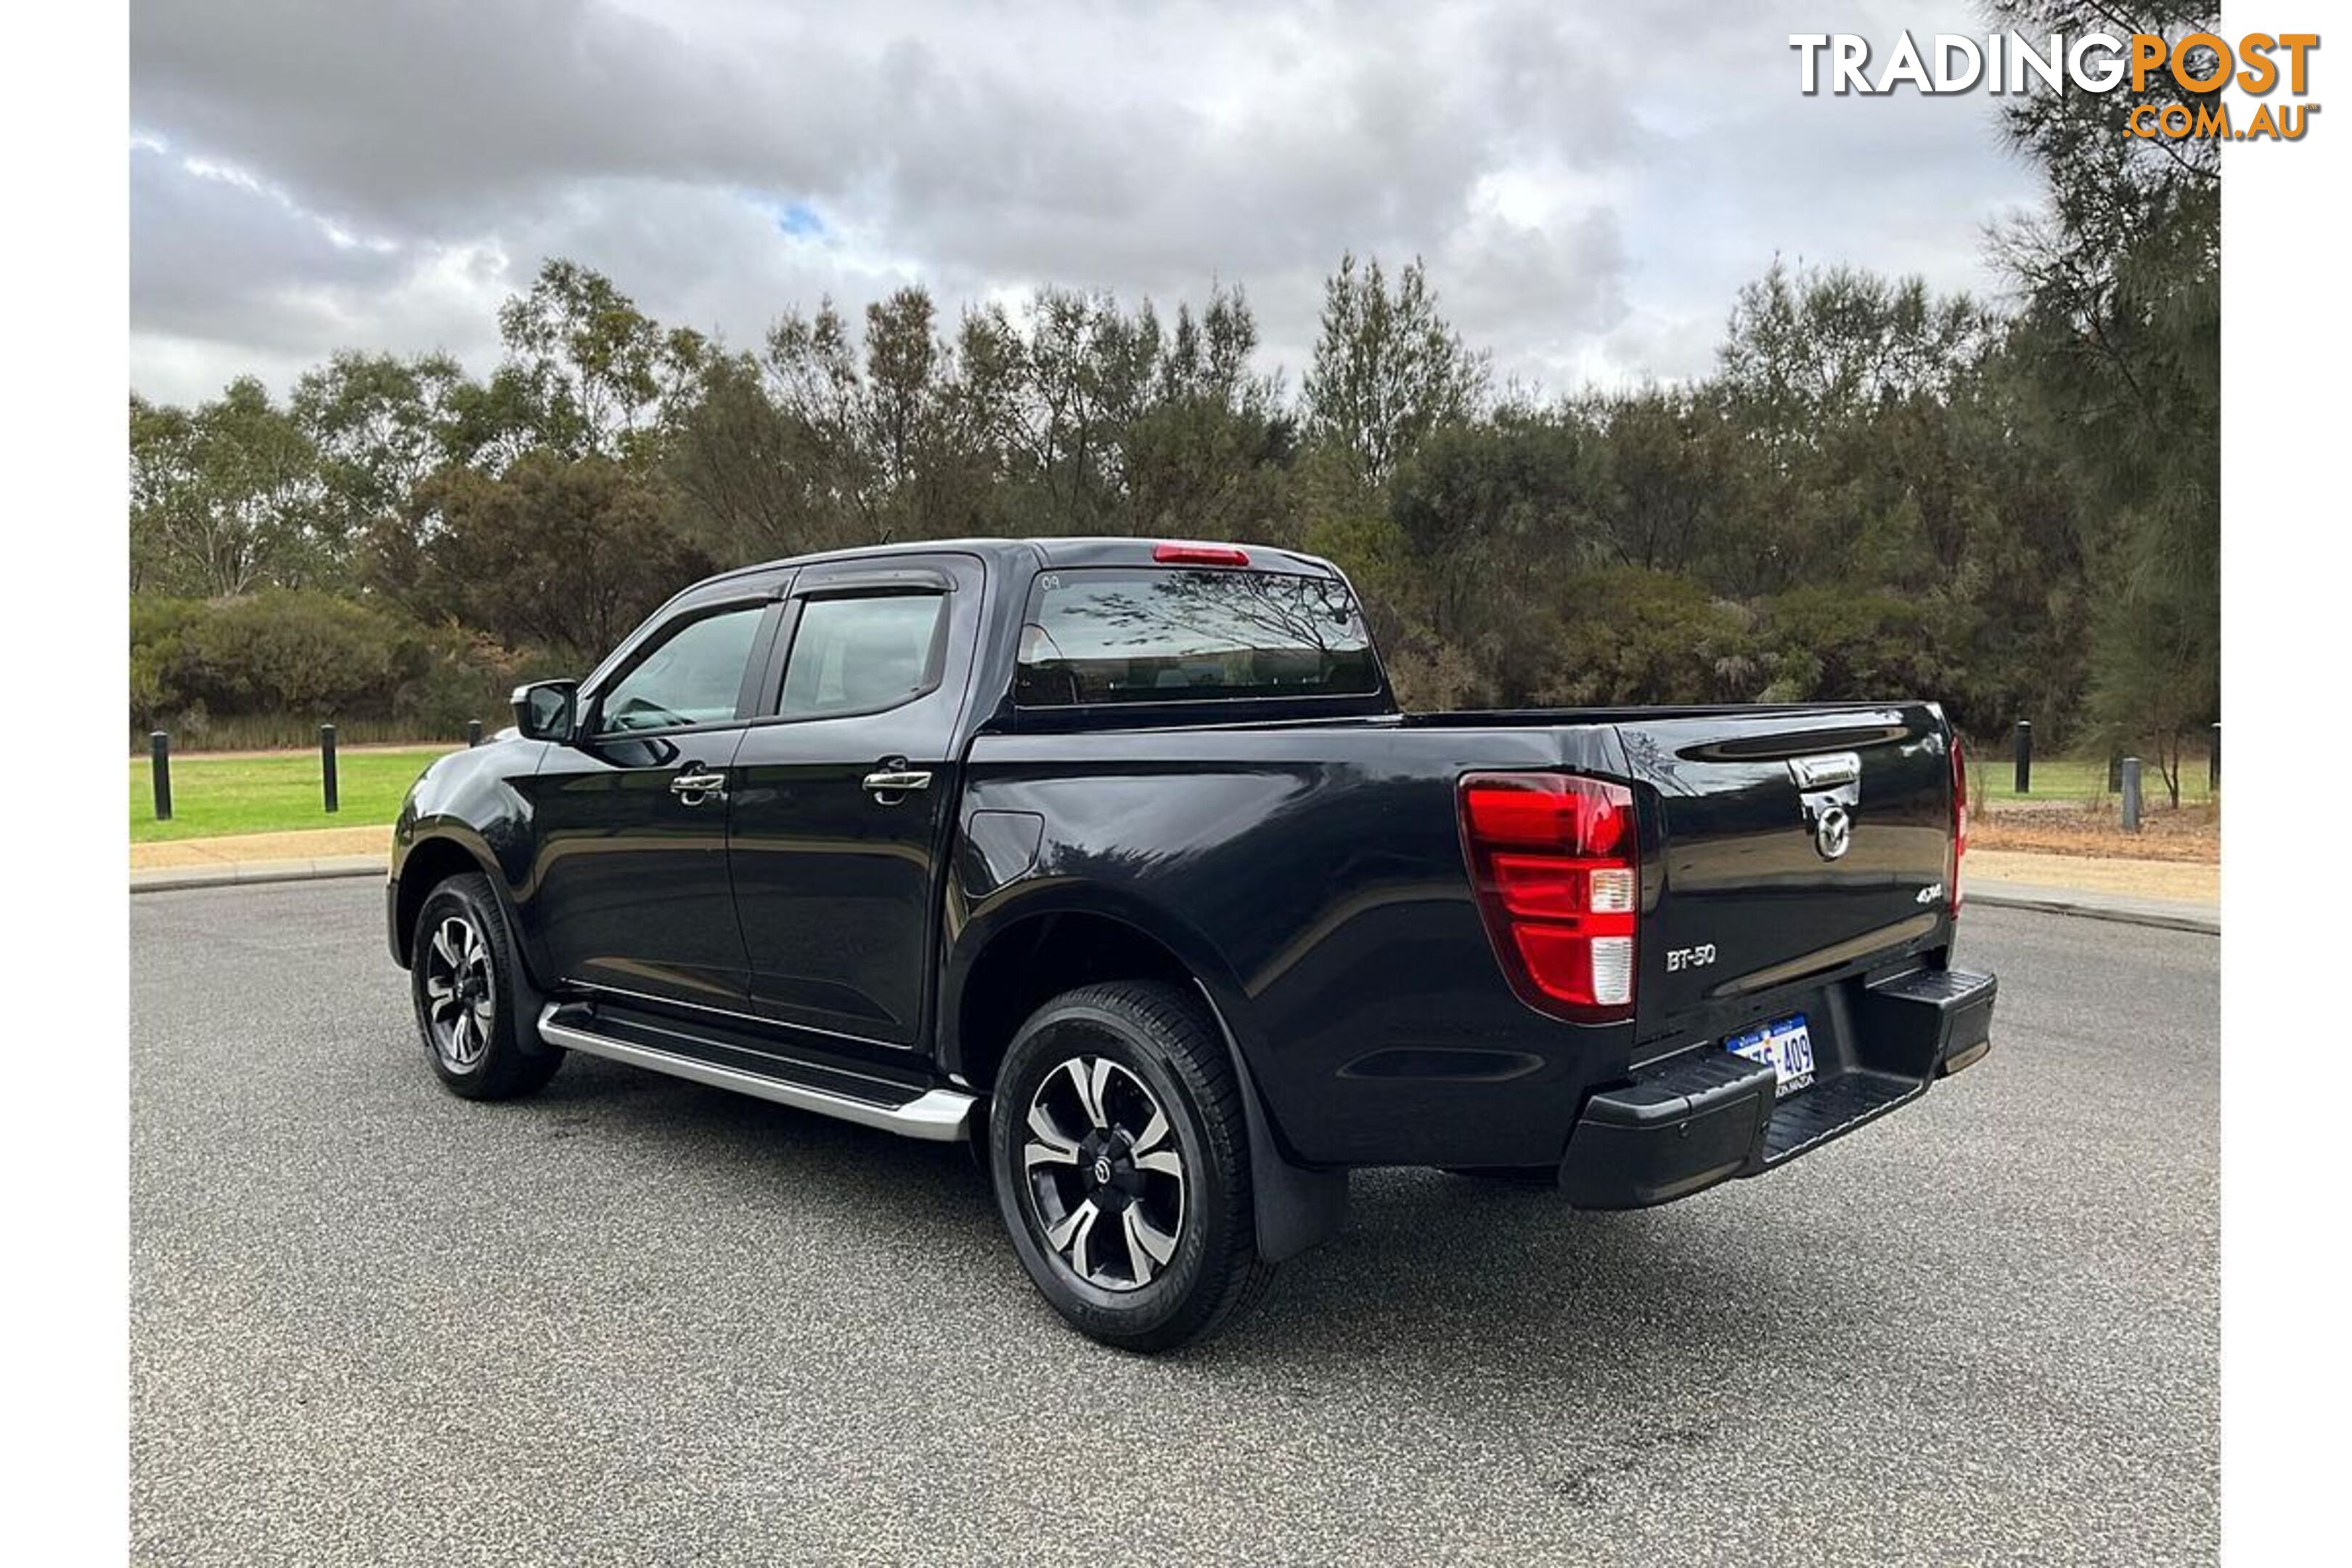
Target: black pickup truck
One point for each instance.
(1117, 860)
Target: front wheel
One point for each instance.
(462, 970)
(1120, 1158)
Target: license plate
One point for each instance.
(1786, 1044)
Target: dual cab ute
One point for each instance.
(1117, 860)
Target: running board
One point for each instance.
(936, 1115)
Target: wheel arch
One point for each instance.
(1012, 961)
(1022, 962)
(429, 862)
(432, 851)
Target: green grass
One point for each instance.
(1994, 776)
(273, 794)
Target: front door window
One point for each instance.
(694, 675)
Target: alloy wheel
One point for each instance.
(460, 1000)
(1105, 1173)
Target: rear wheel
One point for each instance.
(462, 970)
(1121, 1164)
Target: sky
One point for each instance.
(1589, 184)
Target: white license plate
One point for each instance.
(1786, 1044)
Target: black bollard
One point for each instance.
(159, 747)
(2213, 763)
(327, 761)
(2024, 756)
(473, 731)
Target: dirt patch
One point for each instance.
(2191, 835)
(2138, 878)
(317, 844)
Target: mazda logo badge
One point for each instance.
(1829, 788)
(1832, 832)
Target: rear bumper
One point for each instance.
(1704, 1116)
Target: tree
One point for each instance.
(225, 497)
(1673, 486)
(1495, 515)
(586, 364)
(2121, 340)
(1880, 488)
(564, 555)
(1810, 348)
(1209, 452)
(1387, 370)
(379, 425)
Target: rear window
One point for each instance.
(1157, 634)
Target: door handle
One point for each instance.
(694, 788)
(888, 782)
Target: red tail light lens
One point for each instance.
(1199, 556)
(1960, 823)
(1555, 860)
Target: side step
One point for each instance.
(936, 1115)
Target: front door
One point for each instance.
(840, 812)
(629, 822)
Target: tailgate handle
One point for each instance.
(1825, 771)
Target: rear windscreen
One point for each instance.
(1161, 635)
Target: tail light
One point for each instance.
(1960, 823)
(1556, 859)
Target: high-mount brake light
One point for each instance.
(1199, 556)
(1959, 824)
(1555, 860)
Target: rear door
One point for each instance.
(846, 791)
(1788, 844)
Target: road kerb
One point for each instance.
(167, 878)
(2169, 914)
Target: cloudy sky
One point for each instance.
(1589, 183)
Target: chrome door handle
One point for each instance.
(897, 783)
(696, 789)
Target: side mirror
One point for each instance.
(545, 709)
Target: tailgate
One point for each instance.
(1788, 843)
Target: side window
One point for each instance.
(856, 655)
(692, 677)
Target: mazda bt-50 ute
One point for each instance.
(1117, 860)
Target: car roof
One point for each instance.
(1083, 551)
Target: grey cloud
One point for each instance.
(985, 147)
(214, 257)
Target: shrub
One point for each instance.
(306, 658)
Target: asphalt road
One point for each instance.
(636, 1322)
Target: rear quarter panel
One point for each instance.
(1312, 877)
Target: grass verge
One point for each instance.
(273, 793)
(1993, 776)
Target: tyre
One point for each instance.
(462, 974)
(1119, 1154)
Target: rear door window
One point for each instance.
(863, 653)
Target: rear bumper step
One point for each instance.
(1704, 1116)
(937, 1115)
